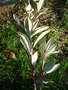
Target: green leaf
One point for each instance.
(25, 1)
(33, 4)
(55, 67)
(49, 65)
(22, 41)
(40, 4)
(51, 51)
(40, 37)
(50, 48)
(34, 58)
(49, 44)
(35, 24)
(42, 44)
(28, 25)
(25, 41)
(57, 51)
(16, 18)
(39, 30)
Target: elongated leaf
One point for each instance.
(34, 58)
(57, 52)
(52, 50)
(40, 29)
(55, 67)
(25, 47)
(40, 37)
(49, 65)
(25, 41)
(49, 44)
(33, 4)
(16, 18)
(28, 25)
(40, 4)
(42, 44)
(35, 24)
